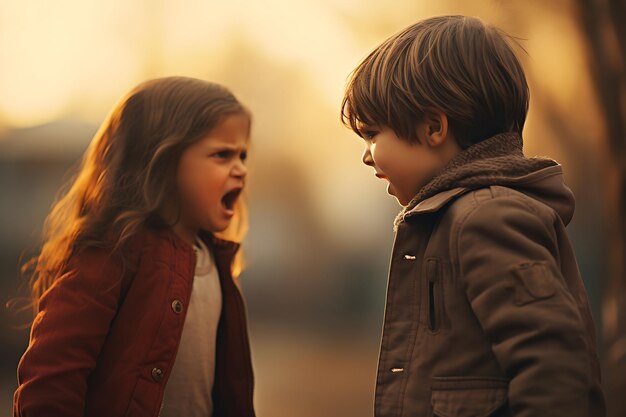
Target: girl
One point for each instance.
(137, 311)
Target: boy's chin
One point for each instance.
(391, 191)
(403, 203)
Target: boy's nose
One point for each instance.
(367, 158)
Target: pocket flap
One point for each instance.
(467, 397)
(533, 281)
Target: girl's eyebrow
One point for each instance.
(228, 147)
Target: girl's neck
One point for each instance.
(188, 234)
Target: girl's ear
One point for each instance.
(432, 129)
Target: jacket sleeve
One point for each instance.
(508, 260)
(66, 337)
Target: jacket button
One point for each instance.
(177, 306)
(157, 374)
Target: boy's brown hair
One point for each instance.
(454, 64)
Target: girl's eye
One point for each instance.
(222, 154)
(230, 154)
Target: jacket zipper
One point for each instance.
(434, 289)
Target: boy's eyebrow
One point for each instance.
(364, 128)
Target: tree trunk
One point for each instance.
(603, 27)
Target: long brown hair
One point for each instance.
(127, 174)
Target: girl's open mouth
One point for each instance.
(229, 200)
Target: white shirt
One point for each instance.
(189, 387)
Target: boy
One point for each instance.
(486, 312)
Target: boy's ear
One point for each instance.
(432, 130)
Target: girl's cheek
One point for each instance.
(208, 185)
(195, 192)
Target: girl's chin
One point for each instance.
(218, 224)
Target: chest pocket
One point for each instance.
(434, 290)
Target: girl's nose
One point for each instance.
(240, 169)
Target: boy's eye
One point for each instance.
(369, 134)
(244, 156)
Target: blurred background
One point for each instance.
(321, 224)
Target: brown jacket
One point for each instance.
(486, 312)
(107, 333)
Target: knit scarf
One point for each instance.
(498, 160)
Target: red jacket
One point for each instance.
(107, 332)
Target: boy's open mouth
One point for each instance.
(230, 198)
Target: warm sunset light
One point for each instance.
(321, 235)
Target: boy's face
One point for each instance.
(407, 167)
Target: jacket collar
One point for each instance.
(437, 201)
(218, 244)
(221, 246)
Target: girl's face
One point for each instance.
(210, 177)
